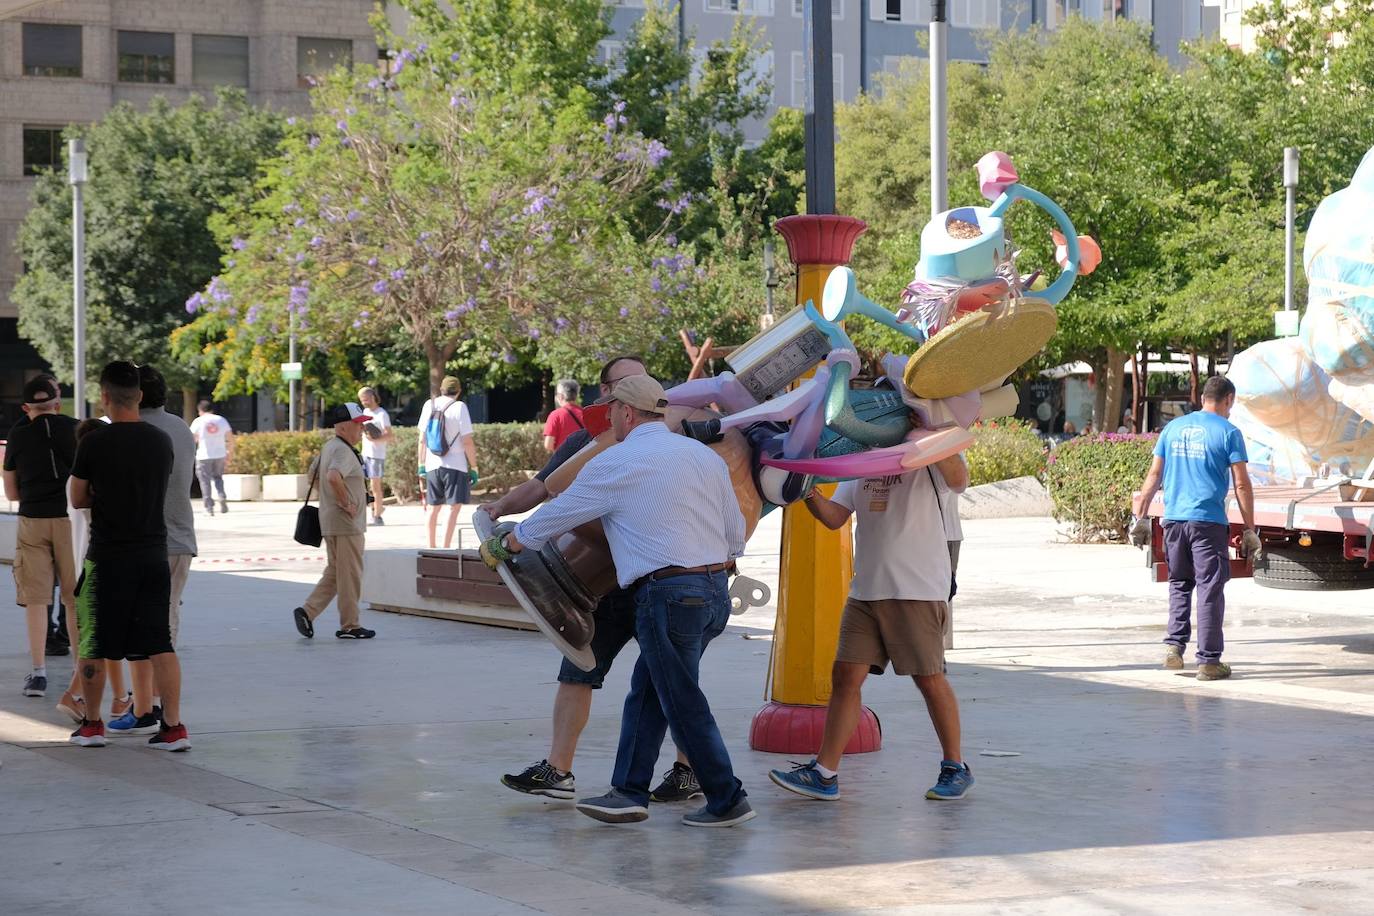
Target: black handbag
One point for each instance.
(308, 518)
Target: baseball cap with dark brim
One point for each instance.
(345, 413)
(41, 390)
(640, 392)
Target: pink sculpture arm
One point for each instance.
(723, 390)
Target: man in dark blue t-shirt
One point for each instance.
(1197, 456)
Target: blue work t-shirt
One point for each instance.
(1198, 451)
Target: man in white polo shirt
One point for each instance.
(376, 434)
(214, 447)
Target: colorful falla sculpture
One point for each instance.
(971, 323)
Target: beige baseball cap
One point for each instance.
(640, 392)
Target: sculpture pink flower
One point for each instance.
(995, 173)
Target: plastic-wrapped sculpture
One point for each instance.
(1308, 400)
(971, 323)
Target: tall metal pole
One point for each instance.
(820, 109)
(291, 385)
(76, 175)
(939, 113)
(1290, 185)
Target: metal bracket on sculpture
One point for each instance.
(746, 593)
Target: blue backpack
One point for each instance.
(435, 440)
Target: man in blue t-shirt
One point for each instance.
(1197, 456)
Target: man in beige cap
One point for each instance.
(674, 529)
(447, 457)
(343, 522)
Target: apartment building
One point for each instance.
(871, 37)
(71, 61)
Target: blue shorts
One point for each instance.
(372, 468)
(615, 626)
(446, 487)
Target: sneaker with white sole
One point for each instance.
(954, 782)
(615, 807)
(35, 685)
(89, 734)
(542, 778)
(132, 724)
(171, 738)
(741, 812)
(679, 784)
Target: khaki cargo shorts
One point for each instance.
(42, 549)
(909, 634)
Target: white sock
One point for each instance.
(40, 671)
(157, 701)
(828, 774)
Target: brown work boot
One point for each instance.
(1213, 671)
(1173, 658)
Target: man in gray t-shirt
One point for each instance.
(181, 543)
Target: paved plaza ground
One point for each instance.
(334, 776)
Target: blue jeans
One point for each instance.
(1199, 561)
(675, 618)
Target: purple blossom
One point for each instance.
(314, 142)
(346, 142)
(291, 121)
(487, 265)
(655, 284)
(374, 83)
(372, 261)
(425, 236)
(300, 221)
(232, 262)
(342, 125)
(238, 244)
(452, 315)
(217, 291)
(671, 240)
(534, 333)
(300, 257)
(299, 294)
(259, 340)
(619, 106)
(675, 206)
(290, 207)
(353, 216)
(560, 323)
(624, 312)
(317, 241)
(398, 274)
(194, 303)
(510, 358)
(364, 314)
(380, 287)
(453, 58)
(251, 316)
(484, 246)
(357, 324)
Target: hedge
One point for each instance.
(1003, 449)
(505, 452)
(1091, 479)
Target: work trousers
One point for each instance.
(1199, 561)
(210, 473)
(342, 578)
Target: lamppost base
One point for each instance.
(784, 728)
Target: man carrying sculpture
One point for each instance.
(615, 626)
(673, 543)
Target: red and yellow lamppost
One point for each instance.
(816, 563)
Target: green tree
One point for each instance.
(156, 176)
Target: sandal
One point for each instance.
(356, 633)
(119, 706)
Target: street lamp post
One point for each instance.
(291, 383)
(76, 176)
(1286, 323)
(939, 111)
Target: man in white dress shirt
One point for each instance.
(674, 528)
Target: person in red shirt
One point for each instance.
(566, 418)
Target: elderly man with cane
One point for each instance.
(674, 528)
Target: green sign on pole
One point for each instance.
(291, 372)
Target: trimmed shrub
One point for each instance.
(1091, 479)
(1004, 448)
(506, 453)
(275, 453)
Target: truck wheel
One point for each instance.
(1316, 569)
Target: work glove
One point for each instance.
(473, 477)
(1140, 532)
(494, 552)
(420, 470)
(1250, 544)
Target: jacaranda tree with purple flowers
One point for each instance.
(476, 224)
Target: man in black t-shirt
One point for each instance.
(121, 474)
(38, 458)
(615, 627)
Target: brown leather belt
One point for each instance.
(669, 572)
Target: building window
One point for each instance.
(316, 58)
(836, 8)
(977, 14)
(611, 55)
(799, 78)
(219, 60)
(911, 12)
(748, 7)
(1057, 12)
(42, 149)
(52, 50)
(147, 57)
